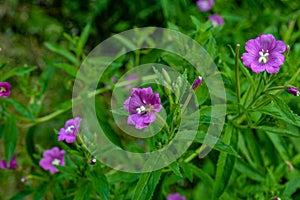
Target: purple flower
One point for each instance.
(12, 164)
(205, 5)
(197, 82)
(69, 132)
(4, 89)
(142, 105)
(294, 91)
(51, 158)
(264, 53)
(216, 20)
(175, 196)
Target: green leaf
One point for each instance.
(100, 182)
(225, 163)
(202, 174)
(278, 131)
(21, 195)
(22, 110)
(130, 45)
(279, 145)
(62, 52)
(245, 169)
(187, 172)
(215, 143)
(84, 191)
(146, 185)
(17, 71)
(40, 191)
(83, 39)
(284, 108)
(10, 137)
(291, 187)
(67, 68)
(175, 168)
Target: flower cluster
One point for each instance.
(206, 5)
(142, 105)
(264, 53)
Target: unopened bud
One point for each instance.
(166, 76)
(93, 161)
(197, 82)
(293, 90)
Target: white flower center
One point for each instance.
(140, 109)
(70, 129)
(55, 162)
(264, 56)
(144, 110)
(3, 89)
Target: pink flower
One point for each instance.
(175, 196)
(51, 158)
(264, 53)
(12, 164)
(217, 20)
(205, 5)
(142, 105)
(4, 89)
(69, 132)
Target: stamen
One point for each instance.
(70, 129)
(55, 162)
(3, 89)
(264, 57)
(140, 109)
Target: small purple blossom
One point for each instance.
(4, 89)
(51, 158)
(294, 91)
(12, 164)
(142, 105)
(216, 20)
(205, 5)
(264, 53)
(197, 82)
(175, 196)
(69, 132)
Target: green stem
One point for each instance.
(256, 92)
(186, 102)
(58, 112)
(163, 122)
(237, 76)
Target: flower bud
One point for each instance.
(294, 91)
(93, 161)
(166, 76)
(197, 82)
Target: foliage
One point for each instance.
(257, 154)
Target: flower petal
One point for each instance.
(267, 41)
